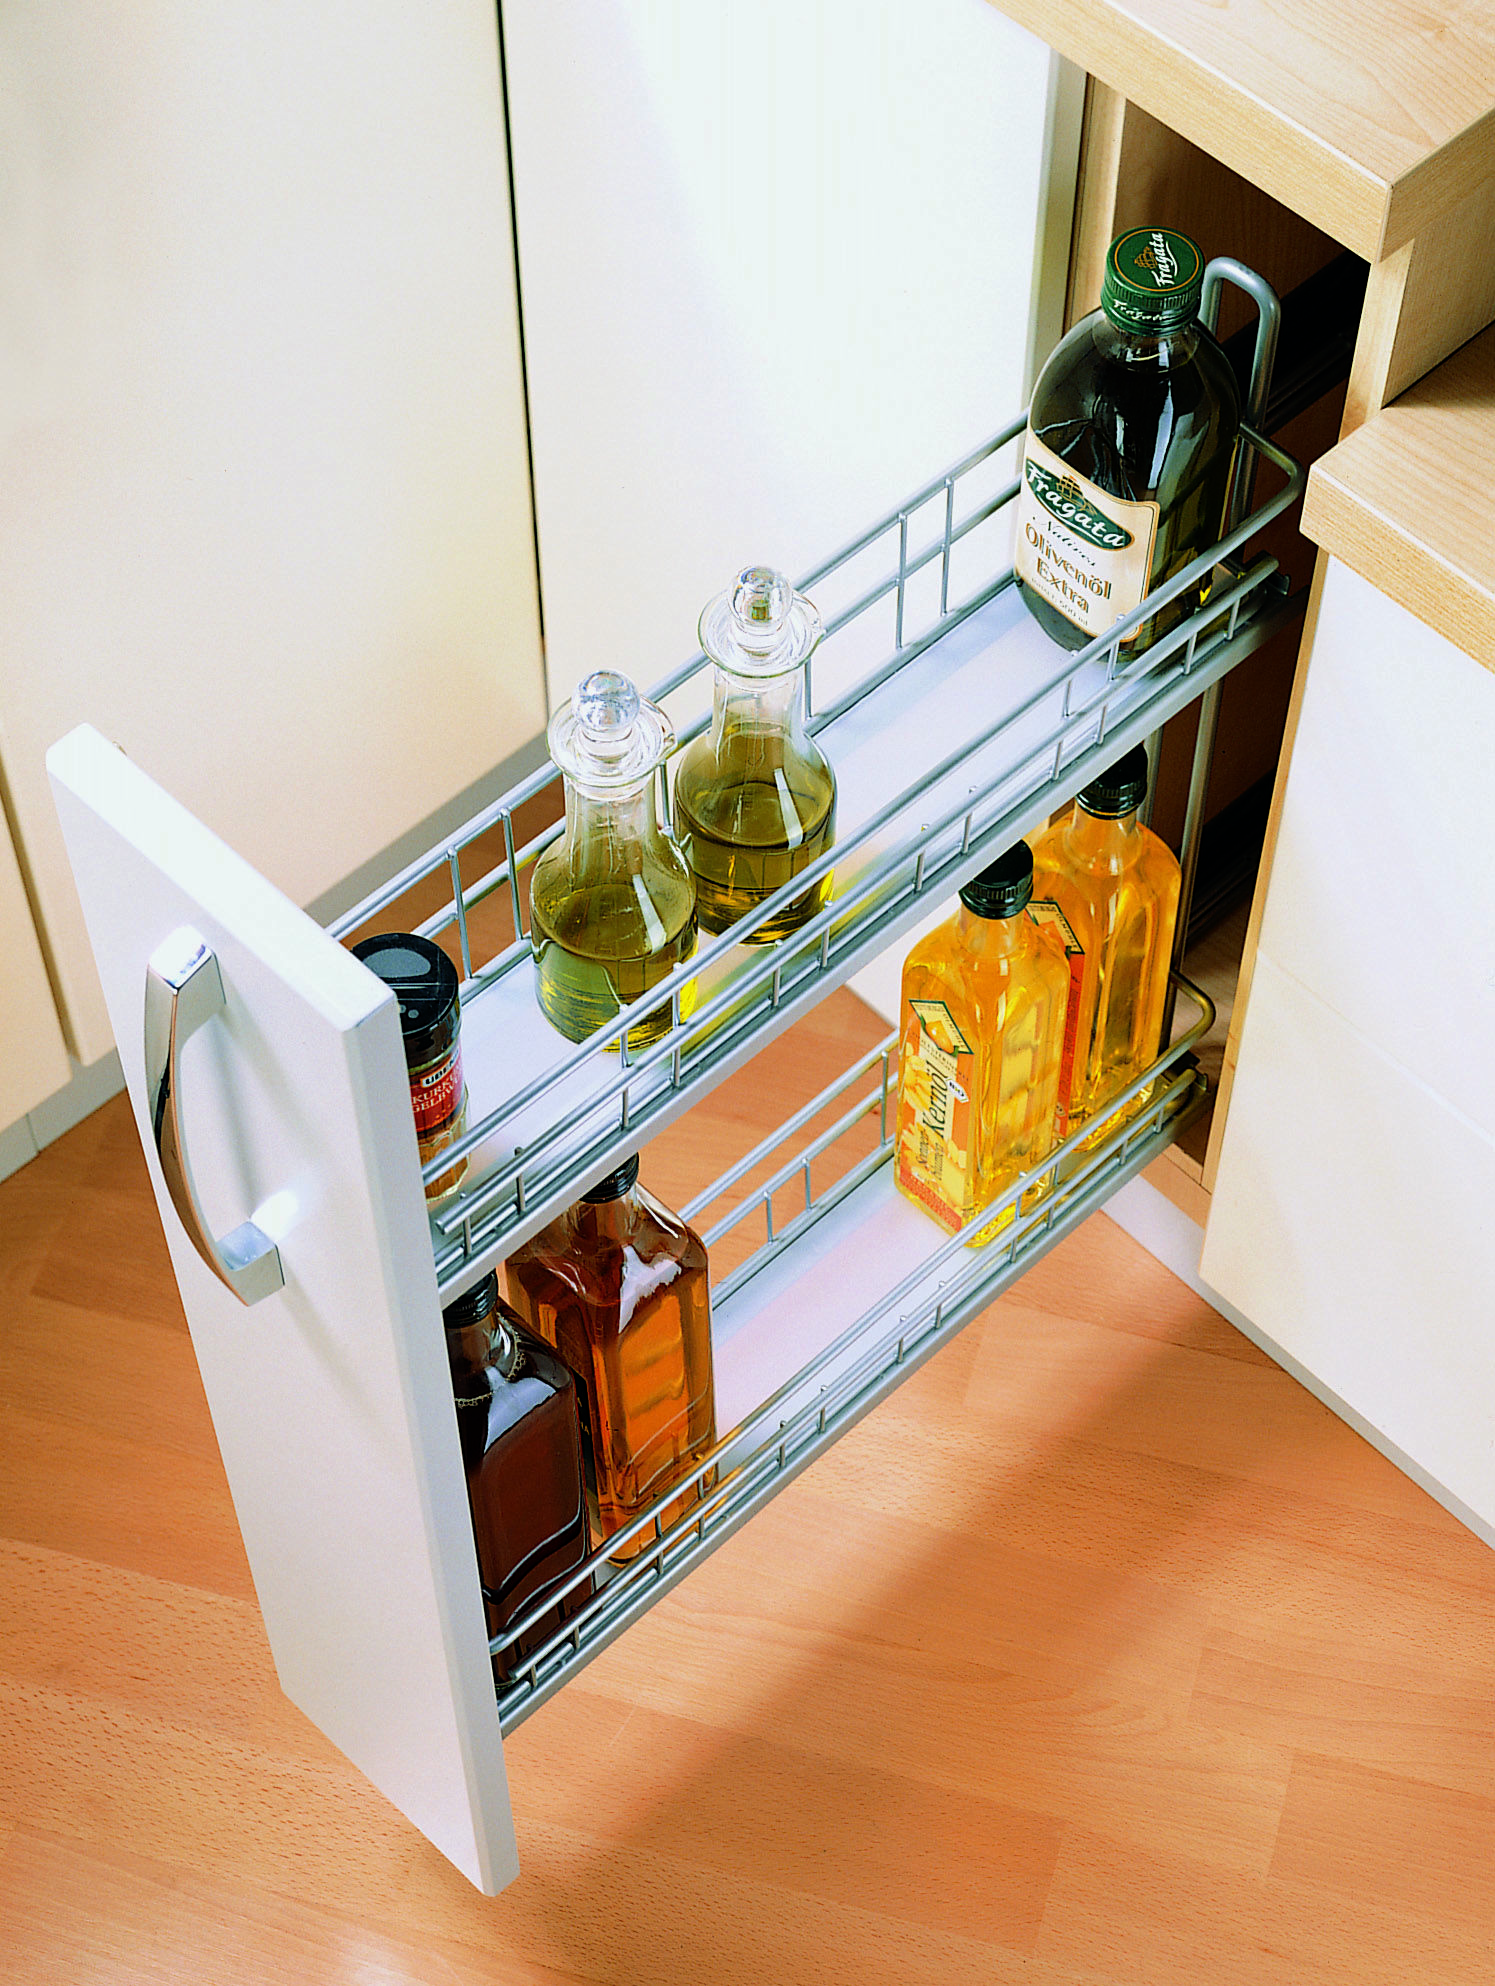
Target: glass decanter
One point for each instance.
(612, 907)
(755, 800)
(617, 1284)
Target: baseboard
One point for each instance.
(55, 1115)
(1167, 1233)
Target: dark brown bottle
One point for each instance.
(618, 1285)
(1131, 442)
(521, 1450)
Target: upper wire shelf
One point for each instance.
(954, 726)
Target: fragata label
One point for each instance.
(1086, 552)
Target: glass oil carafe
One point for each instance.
(755, 800)
(1130, 448)
(612, 907)
(520, 1430)
(982, 1016)
(617, 1284)
(1114, 884)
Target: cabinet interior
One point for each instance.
(1135, 170)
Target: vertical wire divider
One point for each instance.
(902, 577)
(513, 861)
(1193, 834)
(948, 541)
(454, 861)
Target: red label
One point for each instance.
(436, 1093)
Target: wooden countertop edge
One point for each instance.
(1407, 502)
(1439, 182)
(1363, 208)
(1343, 519)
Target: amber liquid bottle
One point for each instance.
(1131, 443)
(520, 1430)
(617, 1284)
(1115, 884)
(982, 1014)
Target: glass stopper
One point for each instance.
(606, 711)
(608, 736)
(761, 600)
(759, 626)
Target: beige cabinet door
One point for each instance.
(263, 440)
(1350, 1217)
(33, 1059)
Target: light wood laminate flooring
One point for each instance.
(1100, 1653)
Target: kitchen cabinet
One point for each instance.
(955, 726)
(394, 1503)
(268, 519)
(1347, 1222)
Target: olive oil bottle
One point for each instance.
(612, 906)
(755, 800)
(1130, 448)
(982, 1024)
(1113, 886)
(617, 1284)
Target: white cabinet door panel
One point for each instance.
(781, 262)
(263, 433)
(331, 1398)
(1382, 896)
(1351, 1223)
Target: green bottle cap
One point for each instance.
(1152, 282)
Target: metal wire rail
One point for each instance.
(864, 1362)
(1090, 707)
(771, 987)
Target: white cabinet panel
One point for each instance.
(780, 264)
(262, 429)
(1382, 897)
(331, 1397)
(33, 1059)
(1351, 1223)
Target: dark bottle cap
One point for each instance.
(473, 1306)
(1003, 887)
(1152, 282)
(424, 981)
(483, 1306)
(1121, 789)
(615, 1185)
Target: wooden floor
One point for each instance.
(1100, 1653)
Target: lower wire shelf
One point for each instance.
(855, 1272)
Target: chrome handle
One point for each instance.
(183, 990)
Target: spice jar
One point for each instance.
(424, 981)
